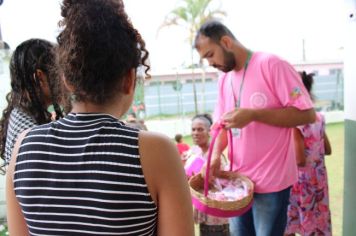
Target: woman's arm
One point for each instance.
(15, 219)
(167, 183)
(299, 147)
(327, 145)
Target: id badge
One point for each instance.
(236, 132)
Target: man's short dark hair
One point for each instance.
(213, 30)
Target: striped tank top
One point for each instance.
(82, 175)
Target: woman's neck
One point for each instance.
(113, 109)
(204, 148)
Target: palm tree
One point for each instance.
(191, 14)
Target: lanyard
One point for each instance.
(238, 102)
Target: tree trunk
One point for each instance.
(194, 83)
(203, 77)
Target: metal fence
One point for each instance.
(162, 99)
(176, 98)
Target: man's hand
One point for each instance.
(214, 169)
(218, 148)
(238, 118)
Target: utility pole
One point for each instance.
(304, 56)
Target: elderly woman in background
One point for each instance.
(197, 156)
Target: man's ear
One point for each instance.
(130, 82)
(226, 42)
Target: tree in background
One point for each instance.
(191, 14)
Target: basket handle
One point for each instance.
(216, 132)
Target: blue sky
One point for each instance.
(276, 26)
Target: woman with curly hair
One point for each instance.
(34, 87)
(88, 173)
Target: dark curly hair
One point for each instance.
(98, 46)
(26, 93)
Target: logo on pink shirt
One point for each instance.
(296, 93)
(258, 100)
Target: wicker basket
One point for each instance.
(199, 188)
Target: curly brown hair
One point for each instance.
(98, 46)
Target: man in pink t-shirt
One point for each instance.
(261, 97)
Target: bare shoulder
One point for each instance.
(167, 183)
(160, 161)
(152, 136)
(158, 148)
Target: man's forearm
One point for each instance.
(284, 117)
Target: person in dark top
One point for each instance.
(88, 173)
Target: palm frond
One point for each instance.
(190, 14)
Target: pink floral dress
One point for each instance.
(308, 212)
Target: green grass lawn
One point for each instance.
(335, 168)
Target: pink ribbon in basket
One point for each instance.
(217, 212)
(216, 132)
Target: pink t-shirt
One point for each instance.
(263, 152)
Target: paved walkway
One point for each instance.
(170, 126)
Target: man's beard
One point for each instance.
(229, 62)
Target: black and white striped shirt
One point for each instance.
(82, 175)
(19, 121)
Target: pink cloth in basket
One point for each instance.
(194, 165)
